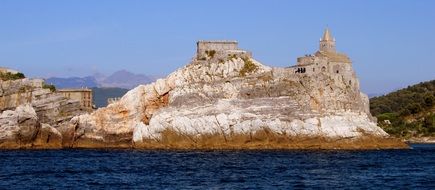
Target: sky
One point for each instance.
(391, 43)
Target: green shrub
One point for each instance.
(410, 110)
(248, 67)
(49, 86)
(10, 76)
(407, 101)
(210, 53)
(387, 116)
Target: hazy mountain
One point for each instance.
(73, 82)
(125, 79)
(120, 79)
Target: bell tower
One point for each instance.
(327, 42)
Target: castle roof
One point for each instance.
(334, 57)
(327, 36)
(217, 41)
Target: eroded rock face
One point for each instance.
(140, 104)
(51, 108)
(222, 99)
(18, 127)
(212, 98)
(48, 137)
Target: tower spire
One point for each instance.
(327, 35)
(327, 42)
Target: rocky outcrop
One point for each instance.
(51, 108)
(31, 113)
(20, 128)
(219, 98)
(226, 99)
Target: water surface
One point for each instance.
(115, 169)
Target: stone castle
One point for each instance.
(325, 60)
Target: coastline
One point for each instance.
(220, 100)
(421, 140)
(236, 143)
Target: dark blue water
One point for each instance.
(119, 169)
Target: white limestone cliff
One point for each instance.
(227, 99)
(212, 98)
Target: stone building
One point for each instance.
(84, 95)
(327, 60)
(327, 42)
(218, 49)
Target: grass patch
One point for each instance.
(248, 67)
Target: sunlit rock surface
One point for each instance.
(225, 99)
(216, 98)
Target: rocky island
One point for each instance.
(223, 99)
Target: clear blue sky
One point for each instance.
(392, 43)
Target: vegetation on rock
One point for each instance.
(210, 53)
(49, 86)
(10, 76)
(409, 112)
(248, 67)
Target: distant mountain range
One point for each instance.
(120, 79)
(73, 82)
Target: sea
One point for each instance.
(224, 169)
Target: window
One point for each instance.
(301, 70)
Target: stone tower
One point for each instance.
(327, 43)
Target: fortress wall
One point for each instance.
(305, 60)
(221, 56)
(311, 65)
(217, 46)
